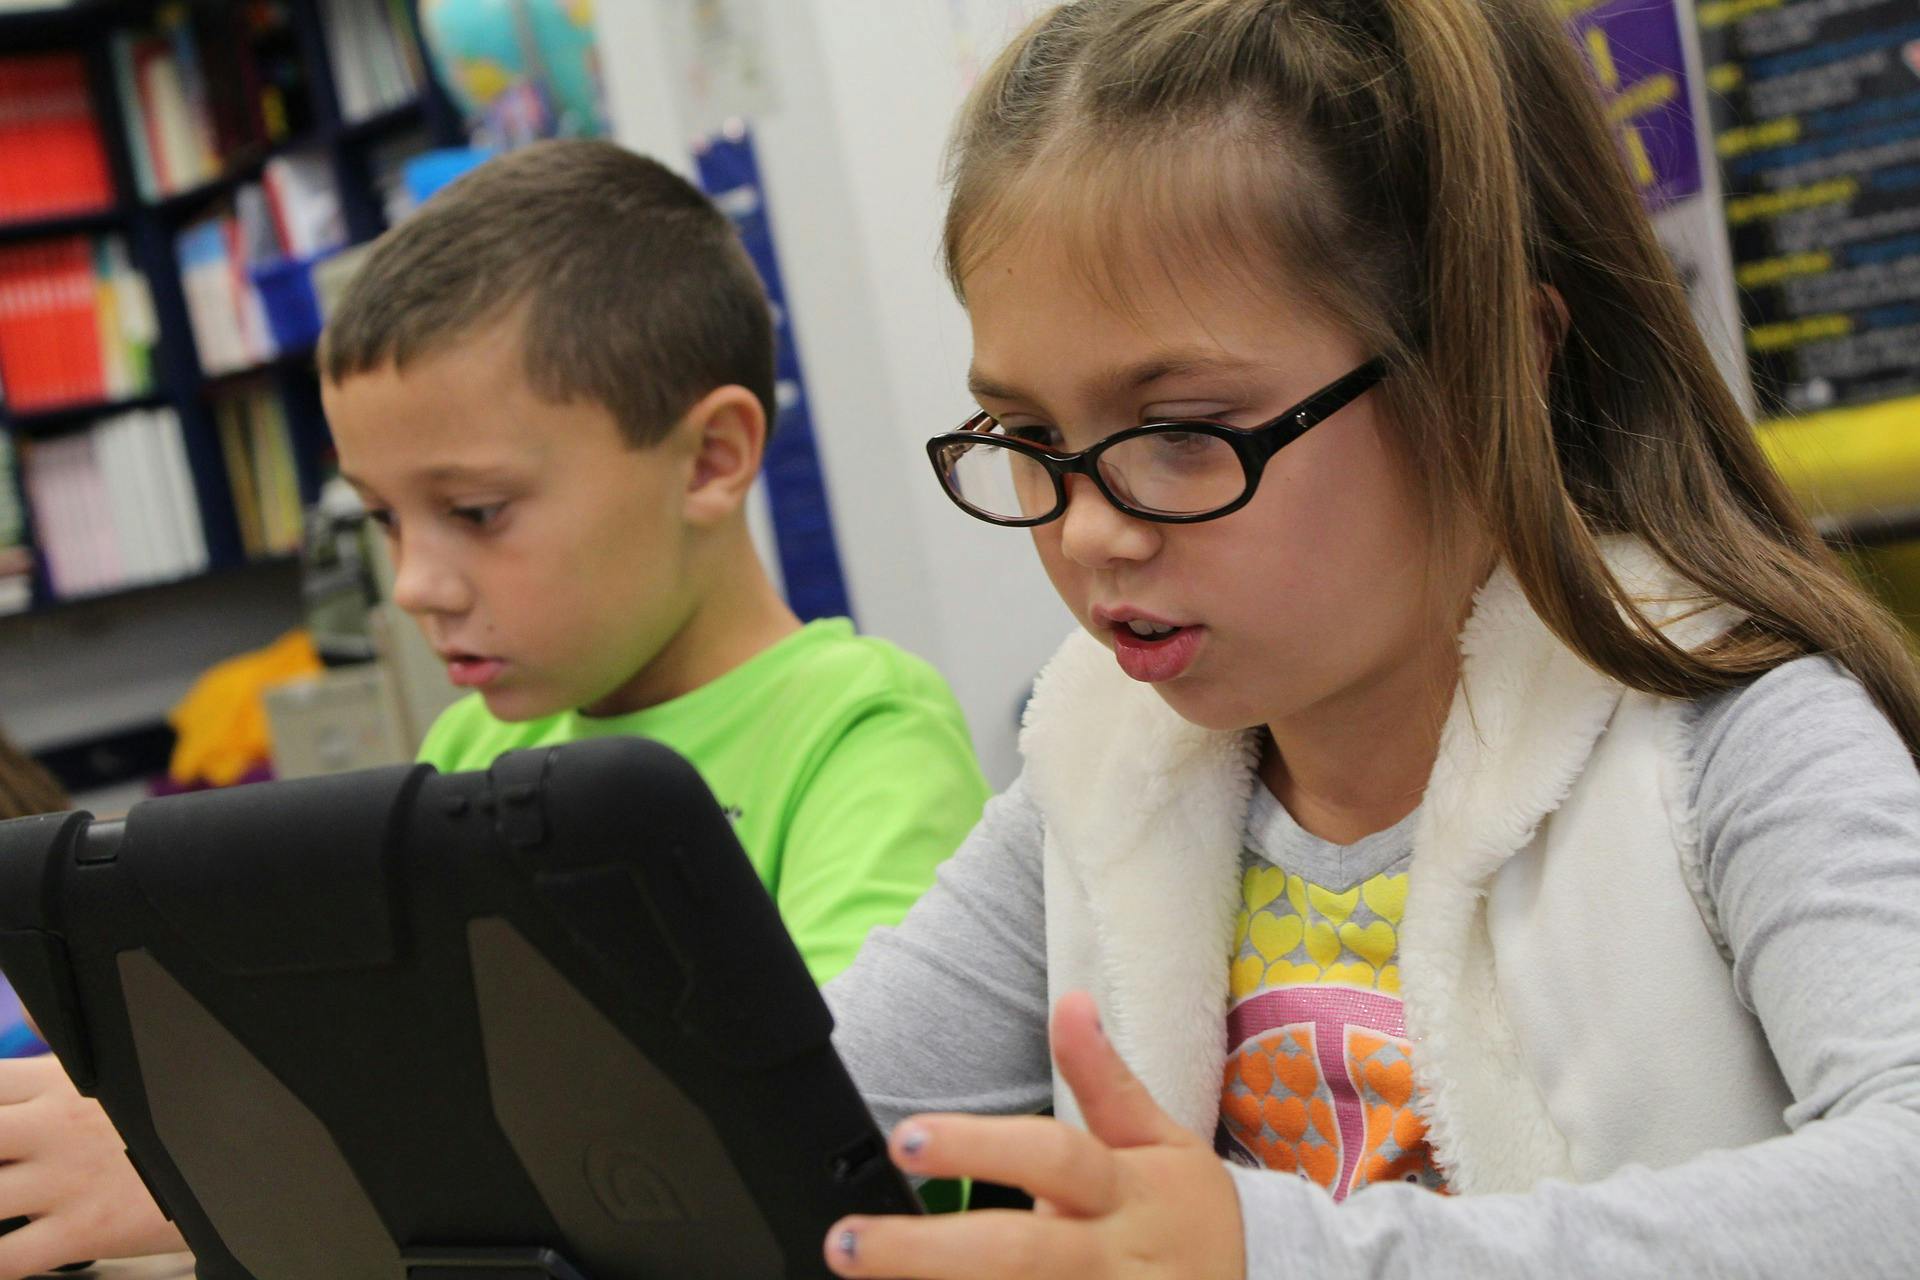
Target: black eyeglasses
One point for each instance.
(1171, 472)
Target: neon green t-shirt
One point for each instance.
(843, 761)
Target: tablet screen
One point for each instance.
(16, 1037)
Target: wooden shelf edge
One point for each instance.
(55, 417)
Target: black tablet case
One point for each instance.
(394, 1025)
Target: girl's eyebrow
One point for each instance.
(1128, 377)
(981, 387)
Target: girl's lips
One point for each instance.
(470, 672)
(1152, 660)
(1120, 615)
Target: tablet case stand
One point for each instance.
(541, 1023)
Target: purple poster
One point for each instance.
(1636, 52)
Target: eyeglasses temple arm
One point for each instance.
(1339, 394)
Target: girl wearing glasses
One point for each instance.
(1476, 832)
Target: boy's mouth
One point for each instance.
(471, 670)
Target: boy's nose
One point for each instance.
(425, 585)
(1094, 532)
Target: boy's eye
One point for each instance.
(384, 518)
(480, 517)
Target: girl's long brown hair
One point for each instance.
(1419, 169)
(25, 787)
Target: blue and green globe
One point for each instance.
(484, 48)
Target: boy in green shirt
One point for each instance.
(552, 387)
(837, 756)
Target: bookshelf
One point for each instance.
(15, 231)
(208, 153)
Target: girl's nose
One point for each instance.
(1095, 533)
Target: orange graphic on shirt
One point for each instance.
(1279, 1110)
(1395, 1146)
(1319, 1078)
(1276, 1105)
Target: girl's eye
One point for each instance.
(1182, 444)
(1045, 437)
(480, 517)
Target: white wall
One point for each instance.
(849, 129)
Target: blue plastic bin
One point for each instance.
(429, 171)
(286, 292)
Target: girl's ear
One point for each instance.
(726, 432)
(1551, 320)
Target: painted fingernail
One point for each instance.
(913, 1140)
(847, 1243)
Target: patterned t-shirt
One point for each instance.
(1319, 1074)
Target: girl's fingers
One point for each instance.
(23, 1192)
(993, 1244)
(22, 1135)
(39, 1246)
(1118, 1109)
(24, 1079)
(1048, 1160)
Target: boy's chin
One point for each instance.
(516, 705)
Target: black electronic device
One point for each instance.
(537, 1023)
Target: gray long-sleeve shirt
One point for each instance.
(1809, 812)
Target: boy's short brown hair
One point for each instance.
(633, 289)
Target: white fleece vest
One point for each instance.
(1566, 991)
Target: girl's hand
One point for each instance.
(63, 1165)
(1136, 1195)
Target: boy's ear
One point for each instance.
(726, 431)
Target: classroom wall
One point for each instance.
(90, 669)
(849, 123)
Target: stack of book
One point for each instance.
(204, 83)
(375, 54)
(16, 561)
(229, 320)
(304, 204)
(292, 216)
(76, 323)
(53, 160)
(114, 505)
(258, 447)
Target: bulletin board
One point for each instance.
(1815, 117)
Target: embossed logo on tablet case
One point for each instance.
(627, 1185)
